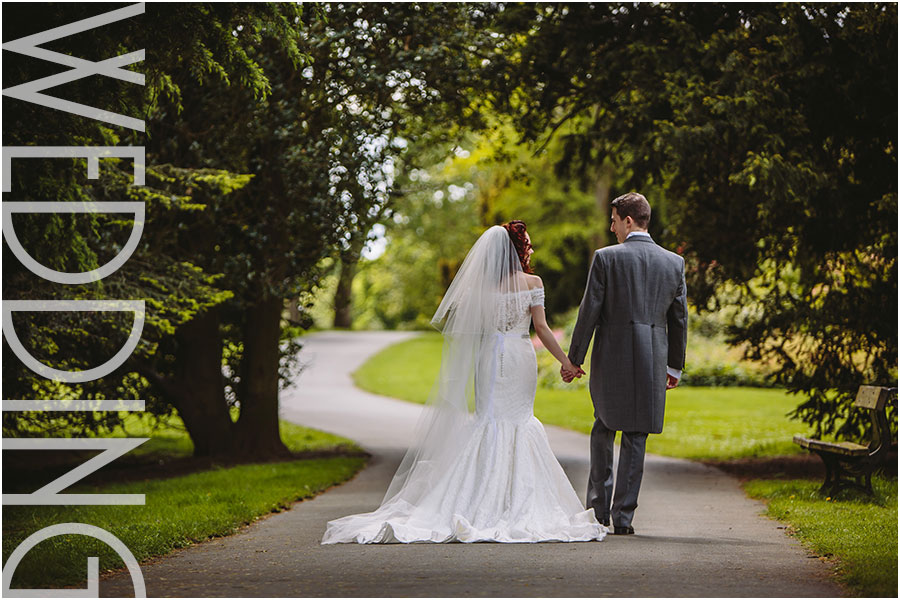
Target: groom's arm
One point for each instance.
(589, 311)
(676, 326)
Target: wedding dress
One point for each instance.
(490, 474)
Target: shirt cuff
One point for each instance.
(676, 373)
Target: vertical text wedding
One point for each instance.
(112, 448)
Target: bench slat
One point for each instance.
(845, 448)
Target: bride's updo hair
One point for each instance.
(516, 231)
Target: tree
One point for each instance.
(275, 128)
(173, 290)
(199, 40)
(487, 180)
(772, 130)
(321, 148)
(566, 221)
(433, 50)
(434, 219)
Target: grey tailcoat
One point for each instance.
(635, 306)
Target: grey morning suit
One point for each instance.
(635, 306)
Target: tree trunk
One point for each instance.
(343, 296)
(601, 195)
(198, 386)
(257, 426)
(293, 311)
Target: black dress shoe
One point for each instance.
(627, 530)
(603, 520)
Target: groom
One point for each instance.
(635, 302)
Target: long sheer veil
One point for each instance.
(482, 303)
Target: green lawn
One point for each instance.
(180, 510)
(859, 533)
(704, 423)
(700, 423)
(713, 423)
(169, 438)
(405, 370)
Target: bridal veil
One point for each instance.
(478, 306)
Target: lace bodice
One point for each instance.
(515, 310)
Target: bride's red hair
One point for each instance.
(516, 231)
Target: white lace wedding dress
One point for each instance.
(504, 484)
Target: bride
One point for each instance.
(480, 467)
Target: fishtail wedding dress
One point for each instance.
(487, 475)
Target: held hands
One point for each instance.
(568, 371)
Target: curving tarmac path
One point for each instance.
(697, 533)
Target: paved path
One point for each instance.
(698, 535)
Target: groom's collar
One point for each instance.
(638, 236)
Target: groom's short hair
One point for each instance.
(633, 205)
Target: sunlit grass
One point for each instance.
(180, 510)
(861, 534)
(169, 438)
(721, 422)
(406, 370)
(713, 423)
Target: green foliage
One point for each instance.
(716, 373)
(432, 227)
(276, 136)
(566, 224)
(446, 207)
(325, 147)
(858, 534)
(711, 361)
(216, 41)
(174, 290)
(772, 131)
(200, 40)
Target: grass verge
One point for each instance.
(858, 534)
(179, 511)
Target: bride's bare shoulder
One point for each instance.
(533, 281)
(526, 281)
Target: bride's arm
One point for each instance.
(539, 318)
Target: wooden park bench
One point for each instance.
(850, 465)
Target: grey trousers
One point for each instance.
(628, 476)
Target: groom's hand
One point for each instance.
(568, 375)
(671, 382)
